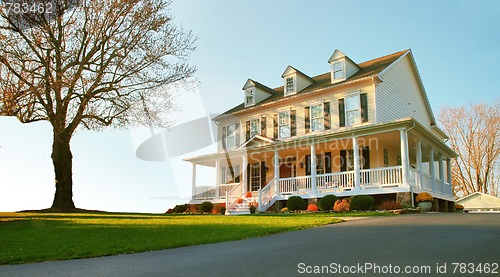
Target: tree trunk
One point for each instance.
(63, 168)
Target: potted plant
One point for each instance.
(424, 201)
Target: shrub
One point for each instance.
(178, 209)
(285, 209)
(206, 207)
(222, 210)
(459, 207)
(341, 206)
(295, 203)
(312, 207)
(424, 197)
(326, 203)
(252, 209)
(193, 208)
(389, 205)
(217, 208)
(362, 202)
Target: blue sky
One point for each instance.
(456, 45)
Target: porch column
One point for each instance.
(357, 172)
(193, 182)
(314, 164)
(277, 171)
(432, 169)
(441, 173)
(405, 159)
(418, 148)
(245, 174)
(217, 179)
(448, 169)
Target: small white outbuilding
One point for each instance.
(479, 202)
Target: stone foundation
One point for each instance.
(404, 198)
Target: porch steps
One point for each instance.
(241, 208)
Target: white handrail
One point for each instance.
(266, 195)
(233, 195)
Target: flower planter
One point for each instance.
(425, 206)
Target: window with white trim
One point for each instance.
(254, 127)
(285, 130)
(249, 97)
(289, 85)
(231, 133)
(353, 110)
(317, 118)
(338, 70)
(255, 176)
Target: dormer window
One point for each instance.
(290, 85)
(338, 70)
(249, 97)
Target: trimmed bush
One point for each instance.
(296, 203)
(252, 209)
(341, 206)
(326, 203)
(362, 202)
(206, 207)
(178, 209)
(312, 207)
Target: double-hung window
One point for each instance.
(285, 130)
(353, 110)
(338, 70)
(289, 85)
(255, 127)
(317, 118)
(230, 135)
(249, 97)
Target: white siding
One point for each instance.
(399, 95)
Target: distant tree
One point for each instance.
(474, 131)
(90, 64)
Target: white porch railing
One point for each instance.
(381, 177)
(426, 183)
(233, 195)
(267, 196)
(204, 193)
(223, 188)
(295, 184)
(335, 181)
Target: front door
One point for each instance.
(286, 170)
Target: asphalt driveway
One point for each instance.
(420, 244)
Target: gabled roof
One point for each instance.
(251, 82)
(368, 69)
(255, 138)
(290, 69)
(474, 194)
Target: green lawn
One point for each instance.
(35, 237)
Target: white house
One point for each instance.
(360, 128)
(480, 202)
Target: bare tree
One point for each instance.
(100, 63)
(474, 131)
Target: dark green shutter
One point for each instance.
(328, 162)
(237, 134)
(237, 171)
(293, 127)
(275, 122)
(247, 127)
(365, 153)
(364, 107)
(326, 109)
(224, 133)
(341, 113)
(307, 119)
(262, 174)
(249, 180)
(343, 160)
(263, 127)
(308, 165)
